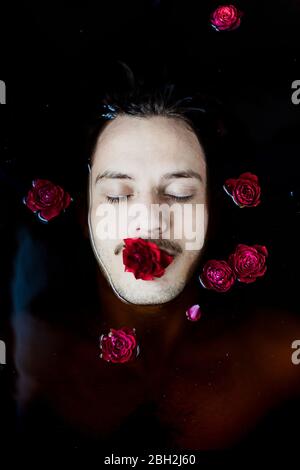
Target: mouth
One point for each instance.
(170, 252)
(141, 258)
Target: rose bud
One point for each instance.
(217, 275)
(248, 262)
(46, 199)
(226, 18)
(119, 346)
(244, 190)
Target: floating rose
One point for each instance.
(217, 275)
(244, 190)
(193, 313)
(226, 18)
(145, 259)
(46, 199)
(119, 346)
(249, 262)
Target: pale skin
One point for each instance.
(148, 151)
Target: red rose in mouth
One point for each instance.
(244, 190)
(249, 262)
(46, 199)
(145, 259)
(119, 345)
(217, 275)
(226, 18)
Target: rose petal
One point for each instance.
(193, 313)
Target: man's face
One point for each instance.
(147, 162)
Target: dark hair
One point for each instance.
(198, 112)
(228, 152)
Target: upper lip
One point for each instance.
(170, 252)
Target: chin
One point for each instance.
(155, 300)
(148, 292)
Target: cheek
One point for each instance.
(103, 218)
(187, 264)
(191, 226)
(206, 217)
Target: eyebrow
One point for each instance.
(167, 176)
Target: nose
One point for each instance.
(149, 222)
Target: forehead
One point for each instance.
(143, 144)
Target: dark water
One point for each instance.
(56, 64)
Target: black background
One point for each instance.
(57, 59)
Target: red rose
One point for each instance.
(245, 190)
(118, 346)
(249, 262)
(145, 259)
(217, 275)
(46, 199)
(226, 18)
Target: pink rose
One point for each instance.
(217, 275)
(46, 199)
(145, 259)
(226, 18)
(248, 262)
(245, 190)
(119, 345)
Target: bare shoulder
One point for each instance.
(227, 378)
(274, 341)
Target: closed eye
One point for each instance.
(117, 199)
(179, 198)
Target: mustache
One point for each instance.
(163, 244)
